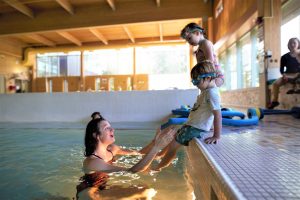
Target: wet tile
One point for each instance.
(262, 161)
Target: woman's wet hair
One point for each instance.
(191, 27)
(91, 133)
(291, 40)
(204, 67)
(96, 113)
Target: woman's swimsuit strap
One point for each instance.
(102, 158)
(97, 156)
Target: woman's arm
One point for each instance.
(149, 146)
(117, 150)
(160, 142)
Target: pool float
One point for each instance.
(295, 112)
(227, 117)
(231, 114)
(183, 111)
(252, 119)
(174, 121)
(226, 112)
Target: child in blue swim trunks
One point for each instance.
(205, 113)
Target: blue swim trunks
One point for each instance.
(186, 133)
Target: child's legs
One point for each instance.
(184, 135)
(169, 153)
(163, 151)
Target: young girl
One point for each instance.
(195, 36)
(205, 113)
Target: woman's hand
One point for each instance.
(285, 78)
(162, 140)
(157, 134)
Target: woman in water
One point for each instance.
(99, 161)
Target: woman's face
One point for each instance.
(293, 45)
(107, 132)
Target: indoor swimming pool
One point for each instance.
(43, 161)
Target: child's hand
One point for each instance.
(211, 140)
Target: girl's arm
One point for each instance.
(208, 51)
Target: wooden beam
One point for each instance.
(66, 5)
(158, 3)
(20, 7)
(111, 3)
(99, 35)
(129, 34)
(160, 32)
(41, 39)
(70, 37)
(134, 11)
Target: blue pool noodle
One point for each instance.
(185, 113)
(253, 120)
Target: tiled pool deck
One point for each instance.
(257, 162)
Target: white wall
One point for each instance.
(123, 106)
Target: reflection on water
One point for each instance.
(39, 163)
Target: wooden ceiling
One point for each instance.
(56, 23)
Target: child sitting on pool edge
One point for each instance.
(205, 113)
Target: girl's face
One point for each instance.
(193, 38)
(107, 132)
(293, 45)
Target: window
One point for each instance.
(246, 61)
(293, 27)
(240, 62)
(232, 62)
(166, 65)
(224, 69)
(290, 26)
(108, 62)
(58, 64)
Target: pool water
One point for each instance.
(44, 162)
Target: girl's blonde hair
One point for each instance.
(291, 40)
(204, 67)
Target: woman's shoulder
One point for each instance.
(90, 163)
(287, 55)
